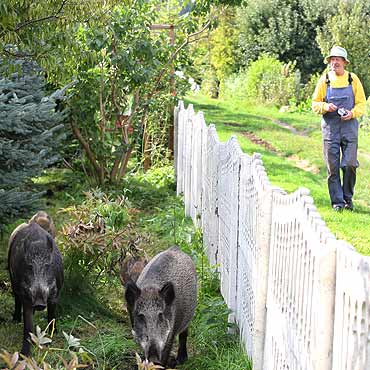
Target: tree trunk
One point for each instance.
(99, 171)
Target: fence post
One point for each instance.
(176, 110)
(188, 140)
(210, 180)
(263, 235)
(181, 134)
(351, 348)
(197, 169)
(228, 197)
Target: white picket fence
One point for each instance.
(299, 296)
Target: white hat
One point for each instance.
(337, 51)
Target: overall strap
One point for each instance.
(350, 79)
(327, 80)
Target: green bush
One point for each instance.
(303, 101)
(269, 81)
(210, 84)
(97, 234)
(235, 86)
(350, 27)
(365, 120)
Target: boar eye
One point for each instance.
(141, 317)
(160, 316)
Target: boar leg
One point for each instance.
(51, 315)
(165, 356)
(27, 328)
(182, 354)
(17, 315)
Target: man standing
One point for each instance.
(340, 98)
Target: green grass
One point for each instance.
(294, 160)
(94, 310)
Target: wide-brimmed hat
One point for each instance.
(337, 51)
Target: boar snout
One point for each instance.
(153, 353)
(39, 306)
(39, 294)
(40, 302)
(152, 318)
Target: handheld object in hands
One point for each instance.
(342, 112)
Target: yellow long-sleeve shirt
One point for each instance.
(318, 99)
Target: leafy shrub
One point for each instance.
(98, 235)
(147, 190)
(210, 83)
(269, 81)
(365, 120)
(303, 101)
(235, 86)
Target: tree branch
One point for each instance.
(32, 21)
(173, 56)
(90, 155)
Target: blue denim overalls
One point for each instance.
(340, 144)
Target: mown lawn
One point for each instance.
(291, 148)
(92, 306)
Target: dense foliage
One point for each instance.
(116, 84)
(290, 31)
(350, 27)
(31, 134)
(281, 29)
(123, 87)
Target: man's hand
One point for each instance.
(330, 107)
(348, 116)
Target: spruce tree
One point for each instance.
(31, 131)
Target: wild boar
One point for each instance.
(131, 268)
(36, 274)
(161, 304)
(43, 219)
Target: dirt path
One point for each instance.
(303, 164)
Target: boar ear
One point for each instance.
(132, 292)
(168, 292)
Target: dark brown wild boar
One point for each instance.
(162, 303)
(36, 275)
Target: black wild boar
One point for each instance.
(131, 268)
(36, 274)
(161, 304)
